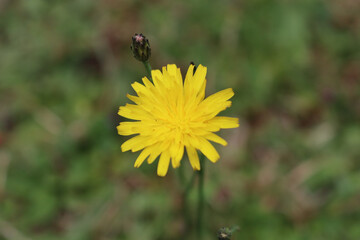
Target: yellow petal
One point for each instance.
(211, 109)
(135, 112)
(156, 77)
(174, 163)
(177, 159)
(192, 141)
(163, 164)
(215, 138)
(139, 88)
(127, 145)
(137, 143)
(201, 93)
(225, 122)
(135, 99)
(208, 150)
(193, 157)
(179, 79)
(188, 83)
(156, 150)
(147, 83)
(153, 156)
(176, 152)
(199, 78)
(172, 69)
(127, 128)
(142, 156)
(189, 74)
(220, 96)
(173, 149)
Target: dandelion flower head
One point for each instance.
(171, 116)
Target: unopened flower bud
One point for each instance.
(140, 47)
(224, 234)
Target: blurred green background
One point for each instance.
(290, 171)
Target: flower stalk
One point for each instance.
(201, 200)
(187, 186)
(148, 68)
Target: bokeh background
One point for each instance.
(290, 171)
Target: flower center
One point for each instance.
(182, 125)
(178, 125)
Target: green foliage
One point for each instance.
(291, 171)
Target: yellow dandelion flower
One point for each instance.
(171, 115)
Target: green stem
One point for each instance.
(148, 68)
(187, 185)
(201, 202)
